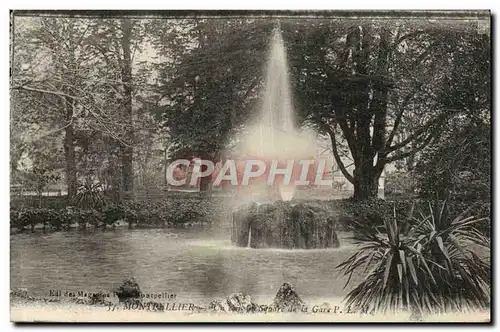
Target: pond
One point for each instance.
(197, 265)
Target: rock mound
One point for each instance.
(287, 298)
(128, 290)
(289, 225)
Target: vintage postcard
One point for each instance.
(274, 166)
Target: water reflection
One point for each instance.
(195, 265)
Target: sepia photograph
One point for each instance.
(250, 166)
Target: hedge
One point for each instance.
(141, 214)
(176, 212)
(375, 211)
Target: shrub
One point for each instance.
(58, 219)
(169, 211)
(372, 213)
(87, 217)
(399, 183)
(155, 213)
(90, 196)
(21, 218)
(112, 213)
(192, 211)
(29, 217)
(15, 217)
(435, 268)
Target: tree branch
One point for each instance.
(348, 133)
(58, 93)
(96, 116)
(416, 134)
(397, 121)
(403, 155)
(336, 155)
(56, 130)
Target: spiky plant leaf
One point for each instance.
(432, 269)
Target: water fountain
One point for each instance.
(276, 221)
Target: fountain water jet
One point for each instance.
(277, 110)
(280, 224)
(275, 136)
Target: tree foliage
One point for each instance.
(458, 167)
(379, 90)
(104, 89)
(80, 78)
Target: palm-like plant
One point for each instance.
(434, 268)
(89, 196)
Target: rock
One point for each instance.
(93, 299)
(198, 309)
(128, 290)
(263, 308)
(287, 298)
(240, 303)
(416, 316)
(254, 307)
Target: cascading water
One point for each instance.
(249, 236)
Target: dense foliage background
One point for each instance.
(107, 101)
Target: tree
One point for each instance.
(117, 42)
(209, 89)
(374, 88)
(458, 167)
(78, 69)
(52, 77)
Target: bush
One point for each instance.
(112, 213)
(439, 266)
(29, 217)
(169, 212)
(370, 213)
(144, 214)
(20, 218)
(400, 184)
(459, 166)
(86, 217)
(90, 196)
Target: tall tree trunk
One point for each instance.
(127, 150)
(114, 170)
(365, 182)
(364, 128)
(69, 150)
